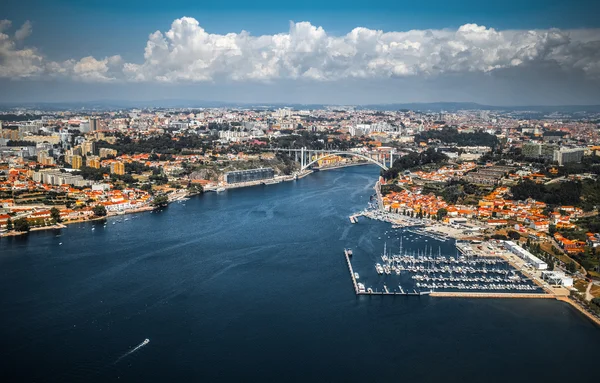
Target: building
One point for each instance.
(44, 158)
(76, 162)
(525, 255)
(360, 130)
(565, 156)
(538, 150)
(93, 163)
(117, 168)
(106, 152)
(249, 175)
(94, 125)
(88, 147)
(10, 134)
(557, 278)
(56, 177)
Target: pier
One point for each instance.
(354, 217)
(348, 254)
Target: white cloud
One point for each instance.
(5, 24)
(188, 53)
(17, 61)
(23, 32)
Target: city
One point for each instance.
(468, 166)
(317, 191)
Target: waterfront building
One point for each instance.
(557, 278)
(525, 255)
(249, 175)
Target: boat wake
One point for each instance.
(145, 342)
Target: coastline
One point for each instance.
(175, 198)
(63, 225)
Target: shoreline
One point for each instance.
(64, 224)
(177, 197)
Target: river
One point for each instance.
(251, 285)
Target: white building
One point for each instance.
(525, 255)
(564, 156)
(557, 278)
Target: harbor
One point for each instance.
(440, 267)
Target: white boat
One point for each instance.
(379, 268)
(356, 276)
(220, 190)
(361, 288)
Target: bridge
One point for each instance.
(308, 157)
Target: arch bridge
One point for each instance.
(308, 157)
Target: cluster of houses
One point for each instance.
(495, 210)
(445, 173)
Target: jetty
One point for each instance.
(354, 217)
(347, 255)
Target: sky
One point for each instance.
(528, 52)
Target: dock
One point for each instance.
(347, 255)
(354, 217)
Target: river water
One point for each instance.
(252, 285)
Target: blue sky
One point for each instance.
(70, 30)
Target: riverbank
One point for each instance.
(64, 224)
(582, 310)
(266, 182)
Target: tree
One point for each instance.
(55, 215)
(160, 201)
(99, 210)
(571, 268)
(441, 213)
(22, 225)
(9, 224)
(514, 235)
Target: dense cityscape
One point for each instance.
(533, 181)
(327, 191)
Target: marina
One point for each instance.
(420, 271)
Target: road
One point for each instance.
(588, 295)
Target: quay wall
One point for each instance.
(465, 294)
